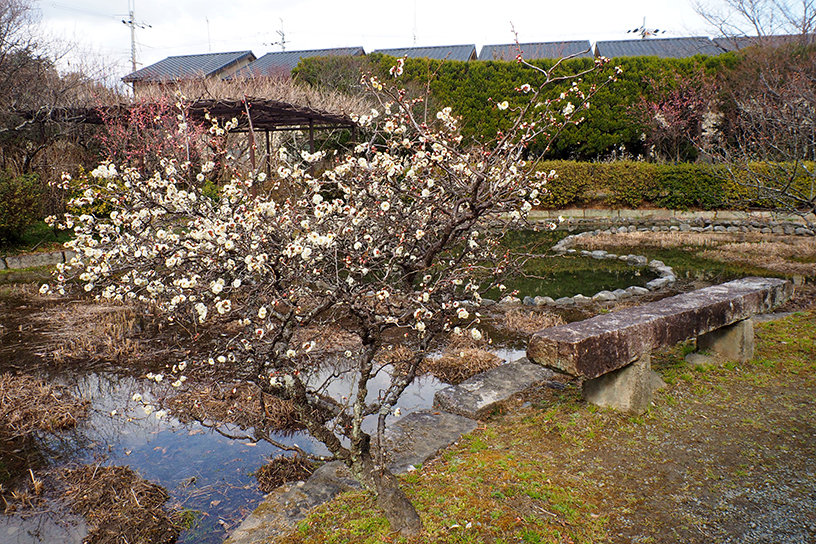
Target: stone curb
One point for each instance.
(35, 260)
(579, 215)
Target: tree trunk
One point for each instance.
(391, 499)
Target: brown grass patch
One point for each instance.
(283, 469)
(780, 256)
(28, 405)
(120, 506)
(777, 253)
(238, 404)
(529, 322)
(89, 331)
(666, 240)
(463, 358)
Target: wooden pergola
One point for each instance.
(253, 115)
(258, 114)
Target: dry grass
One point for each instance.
(283, 469)
(782, 256)
(28, 405)
(671, 239)
(88, 331)
(529, 322)
(120, 506)
(462, 358)
(777, 253)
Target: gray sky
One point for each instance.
(182, 27)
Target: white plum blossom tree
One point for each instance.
(395, 243)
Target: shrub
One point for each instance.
(20, 198)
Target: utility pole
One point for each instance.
(131, 22)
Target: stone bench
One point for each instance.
(612, 351)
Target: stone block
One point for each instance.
(34, 260)
(604, 296)
(2, 263)
(419, 436)
(636, 290)
(627, 389)
(730, 343)
(476, 397)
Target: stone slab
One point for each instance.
(478, 396)
(34, 260)
(421, 435)
(607, 342)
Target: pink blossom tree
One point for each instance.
(395, 244)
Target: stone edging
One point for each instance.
(35, 260)
(665, 274)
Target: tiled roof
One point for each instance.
(735, 43)
(532, 51)
(282, 62)
(659, 47)
(188, 66)
(439, 52)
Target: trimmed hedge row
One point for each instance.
(629, 184)
(472, 88)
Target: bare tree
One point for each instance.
(768, 147)
(762, 19)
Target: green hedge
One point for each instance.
(629, 184)
(20, 202)
(611, 125)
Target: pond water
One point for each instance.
(202, 470)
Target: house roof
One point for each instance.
(188, 66)
(659, 47)
(735, 43)
(439, 52)
(532, 51)
(282, 62)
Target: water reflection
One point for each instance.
(201, 469)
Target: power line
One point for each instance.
(80, 10)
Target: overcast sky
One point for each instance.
(183, 27)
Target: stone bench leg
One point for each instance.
(628, 389)
(732, 343)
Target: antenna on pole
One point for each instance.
(645, 32)
(209, 43)
(282, 41)
(131, 22)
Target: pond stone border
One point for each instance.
(34, 260)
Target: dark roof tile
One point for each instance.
(659, 47)
(282, 62)
(532, 51)
(439, 52)
(188, 66)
